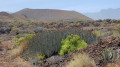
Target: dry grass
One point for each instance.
(17, 51)
(115, 64)
(112, 65)
(7, 44)
(81, 60)
(18, 62)
(12, 59)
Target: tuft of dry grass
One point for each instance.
(112, 65)
(12, 59)
(7, 44)
(18, 62)
(81, 60)
(17, 51)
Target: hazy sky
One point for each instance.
(82, 6)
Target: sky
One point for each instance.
(82, 6)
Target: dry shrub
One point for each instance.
(17, 51)
(7, 44)
(81, 60)
(20, 46)
(21, 62)
(112, 65)
(18, 62)
(118, 61)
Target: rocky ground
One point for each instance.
(94, 50)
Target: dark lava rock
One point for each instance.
(52, 61)
(5, 30)
(119, 44)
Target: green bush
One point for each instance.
(21, 39)
(72, 43)
(29, 36)
(18, 42)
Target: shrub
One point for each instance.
(19, 35)
(81, 60)
(110, 55)
(102, 33)
(40, 56)
(40, 29)
(118, 28)
(18, 42)
(21, 39)
(116, 33)
(24, 32)
(72, 43)
(97, 33)
(29, 36)
(112, 65)
(67, 27)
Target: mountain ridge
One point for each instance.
(51, 14)
(105, 14)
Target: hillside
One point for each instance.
(8, 17)
(105, 14)
(51, 14)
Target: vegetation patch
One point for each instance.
(110, 55)
(48, 43)
(81, 60)
(22, 39)
(72, 43)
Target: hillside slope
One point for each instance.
(51, 14)
(8, 17)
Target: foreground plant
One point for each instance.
(48, 43)
(81, 60)
(22, 39)
(110, 55)
(72, 43)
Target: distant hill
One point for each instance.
(8, 17)
(105, 14)
(4, 14)
(51, 14)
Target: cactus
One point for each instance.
(48, 43)
(110, 55)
